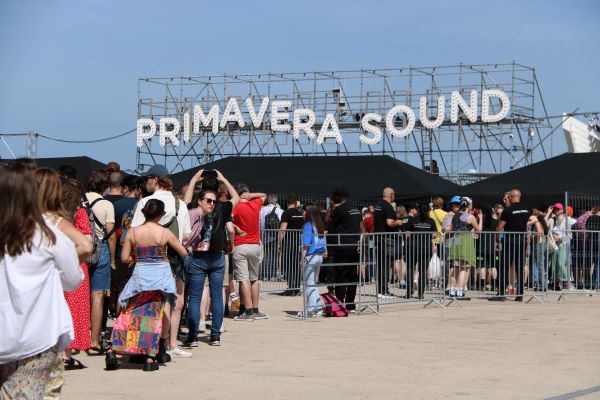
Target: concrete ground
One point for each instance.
(484, 350)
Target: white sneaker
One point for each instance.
(223, 328)
(178, 352)
(202, 327)
(310, 315)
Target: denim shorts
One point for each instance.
(100, 273)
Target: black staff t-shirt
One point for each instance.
(516, 217)
(293, 217)
(383, 212)
(421, 225)
(345, 219)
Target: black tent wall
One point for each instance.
(363, 176)
(544, 182)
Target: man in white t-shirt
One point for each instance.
(100, 273)
(161, 189)
(269, 219)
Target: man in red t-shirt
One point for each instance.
(247, 253)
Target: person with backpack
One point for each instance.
(462, 248)
(223, 232)
(101, 214)
(141, 328)
(208, 261)
(124, 209)
(176, 219)
(289, 242)
(270, 218)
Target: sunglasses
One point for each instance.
(210, 201)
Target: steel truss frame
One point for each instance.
(464, 151)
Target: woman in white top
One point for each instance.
(37, 262)
(49, 199)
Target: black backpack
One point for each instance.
(272, 219)
(96, 240)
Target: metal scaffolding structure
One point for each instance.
(463, 151)
(31, 143)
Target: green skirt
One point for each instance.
(462, 250)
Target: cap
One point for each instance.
(559, 206)
(455, 199)
(157, 170)
(341, 191)
(466, 201)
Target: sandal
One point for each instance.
(73, 363)
(95, 351)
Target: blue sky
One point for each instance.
(69, 69)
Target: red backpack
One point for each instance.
(333, 307)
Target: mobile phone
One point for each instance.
(209, 173)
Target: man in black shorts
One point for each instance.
(513, 222)
(344, 226)
(385, 223)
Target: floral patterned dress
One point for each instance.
(79, 299)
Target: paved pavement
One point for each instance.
(483, 350)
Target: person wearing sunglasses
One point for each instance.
(206, 262)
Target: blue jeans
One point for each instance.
(540, 277)
(311, 263)
(213, 266)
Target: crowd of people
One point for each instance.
(135, 250)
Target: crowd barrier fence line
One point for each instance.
(375, 269)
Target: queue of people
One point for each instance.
(134, 249)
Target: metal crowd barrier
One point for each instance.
(367, 271)
(280, 270)
(495, 266)
(338, 272)
(370, 270)
(574, 262)
(403, 267)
